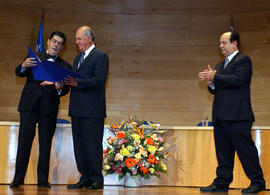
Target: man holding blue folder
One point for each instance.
(39, 103)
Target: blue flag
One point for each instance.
(40, 40)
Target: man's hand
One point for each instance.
(59, 85)
(29, 62)
(207, 75)
(44, 83)
(209, 83)
(71, 81)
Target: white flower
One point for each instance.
(160, 149)
(107, 167)
(154, 137)
(118, 157)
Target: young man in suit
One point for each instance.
(38, 104)
(233, 116)
(87, 108)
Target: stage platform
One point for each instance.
(113, 190)
(192, 160)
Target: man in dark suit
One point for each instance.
(38, 104)
(87, 109)
(233, 116)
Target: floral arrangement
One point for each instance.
(137, 148)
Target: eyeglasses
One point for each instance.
(57, 42)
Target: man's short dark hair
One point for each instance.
(235, 37)
(60, 34)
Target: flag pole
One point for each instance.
(40, 39)
(232, 24)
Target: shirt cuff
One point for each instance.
(23, 69)
(212, 86)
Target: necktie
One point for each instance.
(226, 62)
(81, 59)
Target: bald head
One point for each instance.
(88, 31)
(84, 38)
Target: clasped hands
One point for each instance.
(207, 75)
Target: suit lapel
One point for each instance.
(86, 59)
(41, 55)
(220, 68)
(76, 62)
(230, 64)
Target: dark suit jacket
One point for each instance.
(232, 90)
(88, 98)
(33, 92)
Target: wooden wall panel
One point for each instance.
(21, 25)
(205, 28)
(156, 50)
(137, 7)
(176, 7)
(119, 29)
(106, 6)
(167, 63)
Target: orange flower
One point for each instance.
(113, 126)
(144, 170)
(149, 141)
(105, 151)
(138, 131)
(134, 127)
(151, 159)
(130, 162)
(120, 135)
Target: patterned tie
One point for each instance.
(81, 59)
(226, 62)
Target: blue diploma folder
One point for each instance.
(50, 71)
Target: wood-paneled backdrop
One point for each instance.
(156, 49)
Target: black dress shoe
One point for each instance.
(42, 184)
(95, 186)
(253, 189)
(16, 184)
(78, 185)
(214, 188)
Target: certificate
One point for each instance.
(50, 71)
